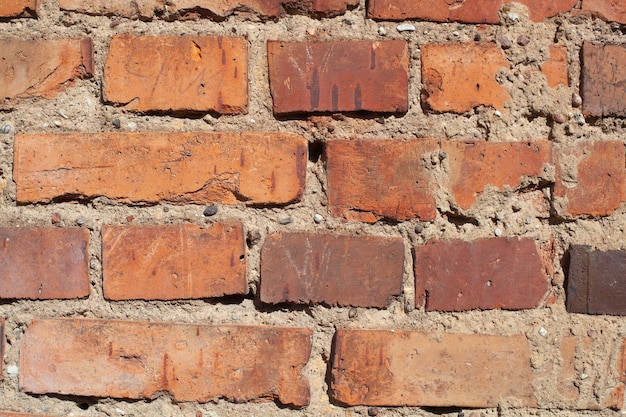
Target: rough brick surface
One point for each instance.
(42, 264)
(505, 273)
(362, 271)
(612, 10)
(476, 165)
(172, 262)
(459, 77)
(372, 179)
(155, 167)
(555, 68)
(139, 360)
(16, 8)
(148, 9)
(590, 179)
(339, 76)
(603, 85)
(184, 73)
(42, 68)
(468, 11)
(426, 369)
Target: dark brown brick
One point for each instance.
(141, 360)
(361, 271)
(405, 368)
(596, 281)
(505, 273)
(603, 86)
(173, 261)
(339, 76)
(42, 264)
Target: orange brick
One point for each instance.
(184, 73)
(173, 261)
(597, 187)
(148, 9)
(361, 271)
(475, 165)
(467, 11)
(406, 368)
(42, 68)
(43, 264)
(381, 178)
(255, 168)
(459, 77)
(555, 68)
(483, 274)
(18, 8)
(339, 76)
(140, 360)
(612, 10)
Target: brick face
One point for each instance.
(603, 88)
(483, 274)
(180, 168)
(338, 76)
(172, 262)
(373, 179)
(137, 360)
(426, 369)
(15, 8)
(459, 77)
(555, 68)
(42, 68)
(334, 270)
(611, 10)
(43, 264)
(162, 73)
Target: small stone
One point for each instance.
(5, 129)
(558, 118)
(497, 113)
(577, 101)
(442, 155)
(513, 17)
(116, 123)
(405, 27)
(477, 37)
(409, 306)
(522, 40)
(353, 313)
(584, 376)
(12, 370)
(81, 220)
(286, 220)
(543, 332)
(120, 411)
(318, 218)
(382, 31)
(234, 317)
(528, 220)
(505, 42)
(455, 33)
(210, 211)
(132, 126)
(56, 218)
(497, 232)
(57, 123)
(253, 238)
(579, 119)
(419, 229)
(348, 22)
(372, 411)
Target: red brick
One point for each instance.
(141, 360)
(459, 77)
(148, 9)
(505, 273)
(590, 179)
(361, 271)
(43, 264)
(18, 8)
(42, 68)
(179, 73)
(339, 76)
(174, 261)
(467, 11)
(381, 179)
(603, 88)
(398, 368)
(555, 68)
(230, 168)
(475, 165)
(612, 10)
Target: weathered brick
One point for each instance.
(596, 282)
(18, 8)
(201, 168)
(468, 11)
(178, 73)
(612, 10)
(372, 179)
(459, 77)
(141, 360)
(43, 264)
(505, 273)
(360, 271)
(590, 178)
(603, 87)
(148, 9)
(475, 165)
(42, 68)
(339, 76)
(173, 261)
(398, 368)
(555, 68)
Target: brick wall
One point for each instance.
(322, 207)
